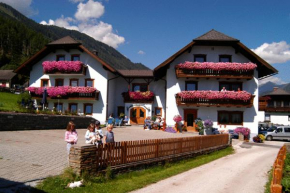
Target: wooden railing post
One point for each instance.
(157, 141)
(124, 152)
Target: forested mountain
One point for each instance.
(21, 37)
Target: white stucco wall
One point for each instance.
(95, 71)
(175, 85)
(280, 118)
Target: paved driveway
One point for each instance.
(28, 156)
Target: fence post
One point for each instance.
(157, 148)
(124, 152)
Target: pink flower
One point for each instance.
(218, 66)
(215, 95)
(148, 95)
(62, 66)
(177, 118)
(61, 90)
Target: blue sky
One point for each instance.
(151, 31)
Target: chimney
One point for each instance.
(95, 52)
(275, 88)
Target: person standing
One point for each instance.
(223, 89)
(71, 136)
(99, 131)
(109, 135)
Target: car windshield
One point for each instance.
(272, 128)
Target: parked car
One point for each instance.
(267, 130)
(280, 133)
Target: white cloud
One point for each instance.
(23, 6)
(88, 24)
(89, 10)
(76, 1)
(273, 79)
(141, 52)
(276, 52)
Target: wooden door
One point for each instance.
(137, 115)
(189, 116)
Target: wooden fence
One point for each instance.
(124, 154)
(276, 186)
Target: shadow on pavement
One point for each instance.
(250, 144)
(7, 186)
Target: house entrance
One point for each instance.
(189, 117)
(137, 115)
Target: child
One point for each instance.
(109, 136)
(99, 132)
(91, 135)
(71, 136)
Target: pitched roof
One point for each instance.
(278, 91)
(64, 41)
(136, 73)
(6, 74)
(68, 41)
(214, 35)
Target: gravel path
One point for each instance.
(244, 171)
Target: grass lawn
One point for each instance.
(128, 181)
(8, 102)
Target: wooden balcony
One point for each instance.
(209, 73)
(214, 103)
(276, 109)
(138, 97)
(73, 96)
(82, 72)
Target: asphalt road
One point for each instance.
(242, 172)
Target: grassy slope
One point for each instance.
(8, 102)
(133, 180)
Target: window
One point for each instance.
(60, 58)
(58, 82)
(89, 82)
(199, 58)
(190, 86)
(288, 117)
(286, 103)
(278, 103)
(230, 117)
(225, 58)
(267, 117)
(75, 57)
(73, 107)
(44, 82)
(158, 111)
(121, 109)
(3, 84)
(287, 129)
(231, 86)
(74, 82)
(270, 104)
(88, 109)
(58, 106)
(142, 87)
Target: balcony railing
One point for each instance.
(64, 67)
(204, 100)
(215, 70)
(208, 73)
(276, 109)
(138, 97)
(66, 92)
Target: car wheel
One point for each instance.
(269, 138)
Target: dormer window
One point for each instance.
(60, 58)
(225, 58)
(199, 58)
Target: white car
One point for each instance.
(281, 133)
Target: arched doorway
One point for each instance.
(137, 115)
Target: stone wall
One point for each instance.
(24, 121)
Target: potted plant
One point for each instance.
(244, 131)
(259, 138)
(208, 126)
(199, 126)
(178, 124)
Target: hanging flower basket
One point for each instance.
(218, 66)
(62, 66)
(61, 90)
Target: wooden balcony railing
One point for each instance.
(215, 102)
(138, 97)
(274, 109)
(209, 73)
(74, 96)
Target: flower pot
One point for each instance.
(241, 137)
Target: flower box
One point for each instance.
(215, 70)
(140, 97)
(214, 98)
(66, 92)
(64, 67)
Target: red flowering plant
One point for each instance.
(62, 66)
(244, 131)
(215, 95)
(61, 90)
(218, 66)
(147, 96)
(177, 118)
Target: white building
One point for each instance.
(226, 114)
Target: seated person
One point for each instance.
(126, 120)
(157, 122)
(147, 124)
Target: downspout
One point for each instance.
(165, 87)
(108, 94)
